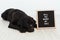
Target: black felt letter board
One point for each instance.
(46, 19)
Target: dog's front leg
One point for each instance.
(11, 25)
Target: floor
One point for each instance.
(40, 34)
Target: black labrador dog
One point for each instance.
(19, 20)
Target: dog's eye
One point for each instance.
(18, 25)
(30, 22)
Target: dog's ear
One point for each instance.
(35, 25)
(34, 22)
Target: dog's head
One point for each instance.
(27, 24)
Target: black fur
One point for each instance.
(19, 20)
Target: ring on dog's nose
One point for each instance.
(30, 25)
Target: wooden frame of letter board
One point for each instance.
(45, 27)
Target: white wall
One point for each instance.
(32, 6)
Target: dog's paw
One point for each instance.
(30, 30)
(22, 30)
